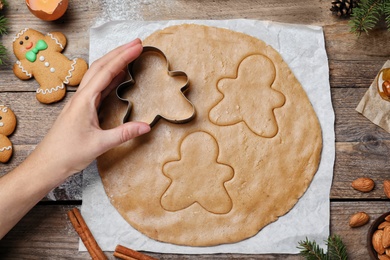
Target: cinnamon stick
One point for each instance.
(123, 257)
(130, 254)
(85, 234)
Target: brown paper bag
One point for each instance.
(373, 106)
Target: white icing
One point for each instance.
(20, 34)
(50, 90)
(52, 70)
(3, 108)
(6, 148)
(23, 70)
(41, 58)
(66, 81)
(47, 64)
(55, 39)
(1, 124)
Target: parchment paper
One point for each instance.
(303, 48)
(372, 106)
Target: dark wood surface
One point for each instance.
(362, 149)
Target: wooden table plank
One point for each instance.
(355, 238)
(34, 119)
(351, 163)
(342, 45)
(353, 73)
(351, 126)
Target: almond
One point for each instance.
(363, 184)
(383, 224)
(358, 219)
(387, 218)
(386, 237)
(383, 257)
(377, 242)
(386, 188)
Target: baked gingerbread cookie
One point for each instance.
(7, 127)
(39, 56)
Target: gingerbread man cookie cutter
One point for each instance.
(172, 73)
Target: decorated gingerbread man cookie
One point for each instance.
(7, 127)
(40, 56)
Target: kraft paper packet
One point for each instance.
(375, 108)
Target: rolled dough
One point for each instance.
(245, 160)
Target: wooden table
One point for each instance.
(362, 149)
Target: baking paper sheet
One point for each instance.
(303, 48)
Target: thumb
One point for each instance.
(123, 133)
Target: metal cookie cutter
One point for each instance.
(122, 87)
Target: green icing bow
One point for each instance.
(40, 46)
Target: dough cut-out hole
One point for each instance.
(249, 97)
(198, 177)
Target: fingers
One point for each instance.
(104, 59)
(123, 133)
(114, 83)
(108, 57)
(102, 71)
(112, 68)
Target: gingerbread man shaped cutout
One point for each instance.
(40, 56)
(7, 127)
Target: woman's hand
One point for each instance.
(76, 139)
(73, 142)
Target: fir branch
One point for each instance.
(3, 54)
(3, 25)
(336, 248)
(366, 15)
(386, 11)
(3, 30)
(311, 251)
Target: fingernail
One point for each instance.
(143, 129)
(133, 42)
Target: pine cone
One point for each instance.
(343, 8)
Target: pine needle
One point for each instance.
(310, 250)
(3, 30)
(3, 54)
(336, 248)
(386, 11)
(366, 15)
(3, 25)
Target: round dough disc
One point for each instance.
(243, 161)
